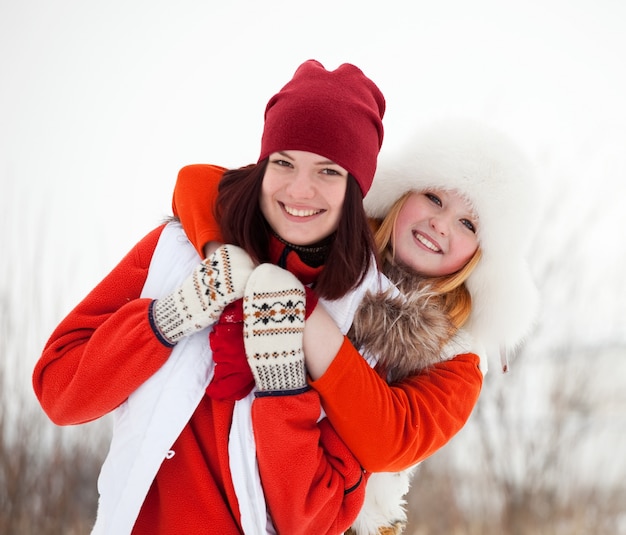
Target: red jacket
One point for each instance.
(105, 349)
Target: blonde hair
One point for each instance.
(451, 291)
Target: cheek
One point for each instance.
(415, 207)
(334, 198)
(337, 192)
(466, 251)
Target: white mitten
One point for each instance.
(273, 327)
(198, 302)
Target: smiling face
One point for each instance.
(435, 233)
(302, 196)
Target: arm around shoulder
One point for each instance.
(193, 201)
(419, 415)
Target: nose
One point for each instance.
(439, 225)
(301, 186)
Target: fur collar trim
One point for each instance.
(407, 331)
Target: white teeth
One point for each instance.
(300, 213)
(423, 240)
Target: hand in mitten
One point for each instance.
(274, 310)
(232, 377)
(200, 299)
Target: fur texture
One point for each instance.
(406, 333)
(383, 511)
(488, 169)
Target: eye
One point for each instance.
(433, 198)
(469, 225)
(329, 171)
(282, 163)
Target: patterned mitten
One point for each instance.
(199, 300)
(273, 327)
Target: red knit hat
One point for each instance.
(336, 114)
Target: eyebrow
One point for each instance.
(321, 162)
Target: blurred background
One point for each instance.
(101, 103)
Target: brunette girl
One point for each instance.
(138, 344)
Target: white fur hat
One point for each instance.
(492, 173)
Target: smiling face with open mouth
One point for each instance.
(435, 233)
(302, 196)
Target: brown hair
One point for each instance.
(242, 223)
(453, 295)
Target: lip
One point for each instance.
(425, 242)
(300, 213)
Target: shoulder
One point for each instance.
(141, 254)
(203, 171)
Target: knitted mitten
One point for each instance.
(198, 302)
(273, 327)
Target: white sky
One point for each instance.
(102, 102)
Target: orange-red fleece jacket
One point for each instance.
(106, 348)
(387, 427)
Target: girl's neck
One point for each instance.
(313, 255)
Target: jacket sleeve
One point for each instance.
(193, 201)
(392, 427)
(312, 482)
(105, 348)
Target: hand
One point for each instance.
(274, 310)
(198, 302)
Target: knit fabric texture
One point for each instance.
(273, 326)
(336, 114)
(198, 302)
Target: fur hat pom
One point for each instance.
(491, 172)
